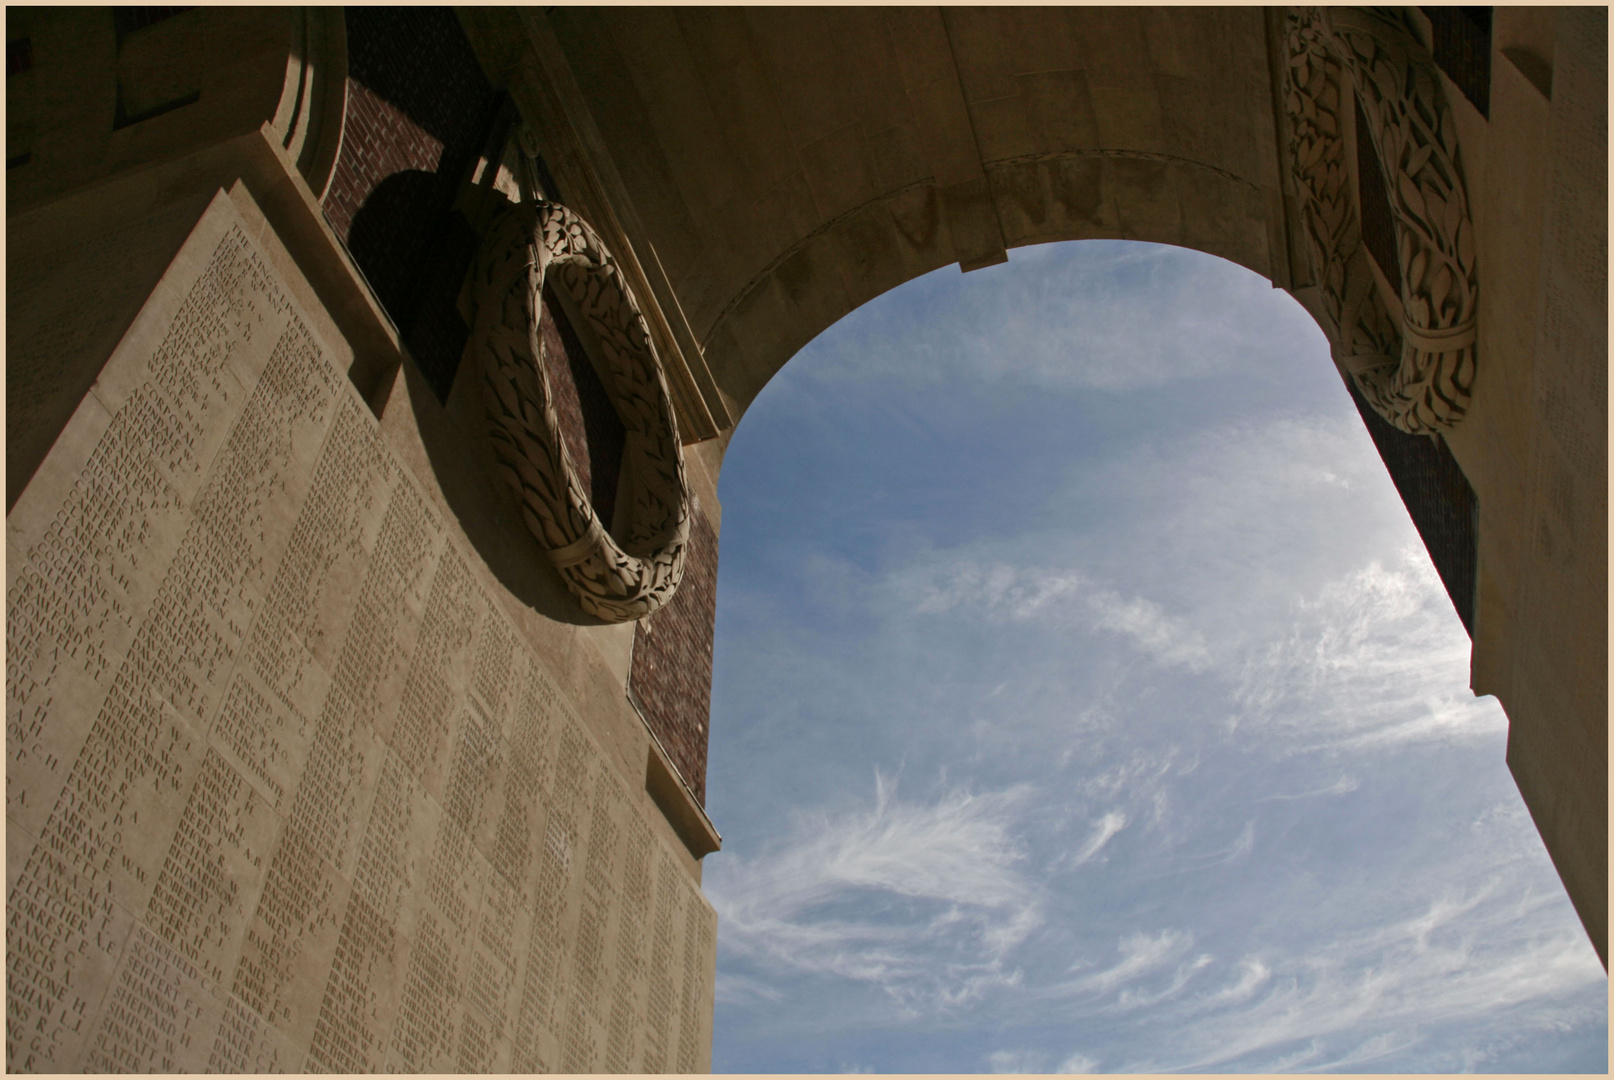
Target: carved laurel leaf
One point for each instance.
(1411, 131)
(525, 245)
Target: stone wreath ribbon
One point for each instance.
(615, 577)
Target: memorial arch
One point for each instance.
(343, 638)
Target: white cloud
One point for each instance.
(1165, 638)
(1141, 955)
(1226, 523)
(1371, 1049)
(1223, 632)
(1078, 1064)
(736, 989)
(923, 900)
(1003, 593)
(1252, 976)
(1139, 998)
(1368, 662)
(1106, 828)
(998, 592)
(1017, 1062)
(1139, 773)
(1366, 995)
(1031, 1062)
(1343, 786)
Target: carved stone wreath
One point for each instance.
(615, 578)
(1418, 375)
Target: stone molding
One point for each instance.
(1417, 374)
(616, 581)
(313, 106)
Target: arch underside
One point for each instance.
(895, 238)
(788, 165)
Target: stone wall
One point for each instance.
(287, 786)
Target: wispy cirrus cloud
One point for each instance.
(999, 592)
(1260, 822)
(1004, 593)
(734, 989)
(1017, 1062)
(1103, 831)
(1141, 954)
(879, 894)
(1343, 786)
(1380, 991)
(1366, 660)
(1023, 1061)
(1251, 975)
(1167, 639)
(1369, 661)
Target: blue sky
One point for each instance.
(1085, 701)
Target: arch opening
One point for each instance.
(1071, 704)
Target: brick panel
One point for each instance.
(589, 424)
(418, 110)
(1461, 40)
(378, 141)
(1440, 501)
(671, 676)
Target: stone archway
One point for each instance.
(773, 169)
(181, 189)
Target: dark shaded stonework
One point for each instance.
(671, 677)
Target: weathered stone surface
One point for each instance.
(285, 787)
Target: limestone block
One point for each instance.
(1002, 130)
(1117, 47)
(867, 63)
(799, 46)
(676, 102)
(895, 155)
(1146, 202)
(839, 171)
(737, 84)
(1129, 117)
(1060, 197)
(983, 45)
(1224, 217)
(869, 252)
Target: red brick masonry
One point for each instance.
(589, 425)
(377, 141)
(671, 676)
